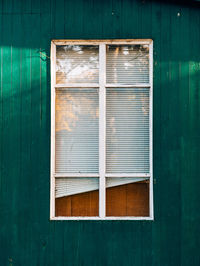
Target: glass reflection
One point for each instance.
(127, 64)
(77, 64)
(77, 130)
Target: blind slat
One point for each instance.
(72, 186)
(127, 64)
(127, 130)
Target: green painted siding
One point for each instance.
(27, 237)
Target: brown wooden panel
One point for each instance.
(128, 200)
(83, 204)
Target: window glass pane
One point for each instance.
(77, 64)
(77, 196)
(77, 124)
(127, 130)
(127, 198)
(127, 64)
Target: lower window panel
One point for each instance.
(130, 199)
(77, 197)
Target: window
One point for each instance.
(101, 130)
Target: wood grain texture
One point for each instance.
(128, 200)
(27, 236)
(125, 200)
(83, 204)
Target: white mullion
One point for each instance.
(75, 175)
(151, 129)
(141, 85)
(77, 85)
(127, 175)
(102, 130)
(53, 81)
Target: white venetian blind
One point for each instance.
(127, 130)
(127, 64)
(77, 64)
(71, 186)
(77, 124)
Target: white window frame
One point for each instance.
(102, 126)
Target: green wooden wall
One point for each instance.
(27, 236)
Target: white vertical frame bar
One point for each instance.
(102, 130)
(53, 83)
(151, 128)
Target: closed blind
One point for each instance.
(127, 130)
(77, 137)
(77, 64)
(71, 186)
(127, 64)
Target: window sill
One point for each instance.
(94, 218)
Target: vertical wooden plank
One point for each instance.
(45, 7)
(174, 178)
(90, 26)
(2, 197)
(46, 245)
(74, 22)
(7, 179)
(116, 19)
(127, 18)
(166, 128)
(45, 92)
(184, 121)
(35, 110)
(25, 142)
(157, 170)
(35, 6)
(44, 156)
(59, 19)
(7, 6)
(57, 32)
(35, 128)
(26, 6)
(145, 19)
(15, 113)
(1, 103)
(17, 6)
(106, 22)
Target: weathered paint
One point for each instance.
(27, 236)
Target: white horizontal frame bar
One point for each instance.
(148, 218)
(76, 175)
(127, 175)
(145, 85)
(77, 85)
(97, 42)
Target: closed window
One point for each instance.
(101, 129)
